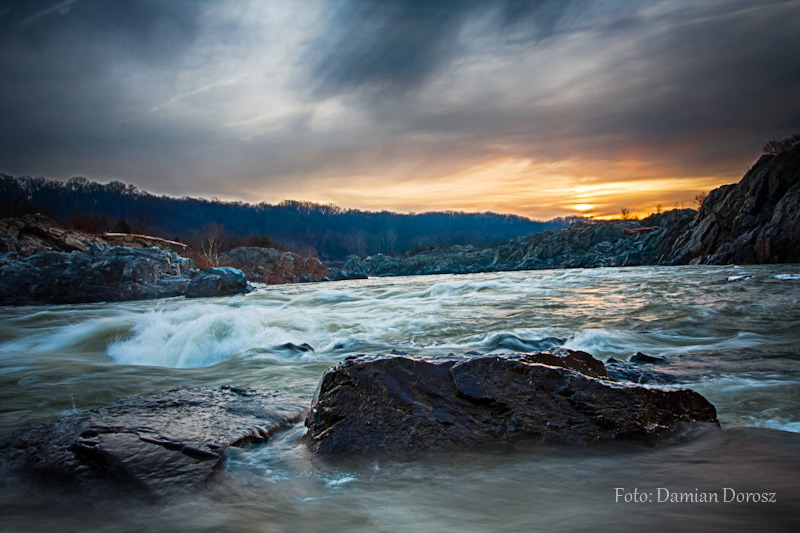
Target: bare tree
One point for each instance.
(357, 242)
(659, 209)
(775, 147)
(699, 198)
(626, 213)
(391, 240)
(212, 242)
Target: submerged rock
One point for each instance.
(152, 446)
(637, 373)
(398, 404)
(109, 274)
(644, 359)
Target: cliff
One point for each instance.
(754, 221)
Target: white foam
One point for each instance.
(602, 343)
(338, 480)
(779, 423)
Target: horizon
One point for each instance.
(629, 215)
(533, 108)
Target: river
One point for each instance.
(730, 332)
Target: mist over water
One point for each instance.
(731, 333)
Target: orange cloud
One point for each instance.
(537, 189)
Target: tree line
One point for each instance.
(325, 230)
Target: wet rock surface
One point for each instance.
(153, 446)
(109, 273)
(397, 404)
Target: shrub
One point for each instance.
(775, 147)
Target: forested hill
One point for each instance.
(330, 231)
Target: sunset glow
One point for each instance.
(536, 189)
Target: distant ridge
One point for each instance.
(328, 231)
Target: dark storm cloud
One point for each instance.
(722, 75)
(149, 29)
(388, 46)
(62, 62)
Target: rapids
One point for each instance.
(730, 332)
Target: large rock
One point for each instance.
(151, 446)
(398, 404)
(109, 273)
(215, 281)
(754, 221)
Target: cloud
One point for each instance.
(62, 8)
(266, 100)
(393, 47)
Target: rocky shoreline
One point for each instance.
(42, 262)
(109, 274)
(755, 221)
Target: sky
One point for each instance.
(542, 108)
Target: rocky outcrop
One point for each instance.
(447, 260)
(154, 446)
(109, 273)
(754, 221)
(579, 245)
(32, 234)
(268, 265)
(396, 404)
(597, 244)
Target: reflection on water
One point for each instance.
(732, 333)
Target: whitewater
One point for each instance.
(731, 333)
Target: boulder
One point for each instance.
(384, 404)
(216, 281)
(151, 446)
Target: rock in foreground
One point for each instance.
(397, 404)
(152, 446)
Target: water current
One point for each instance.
(731, 332)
